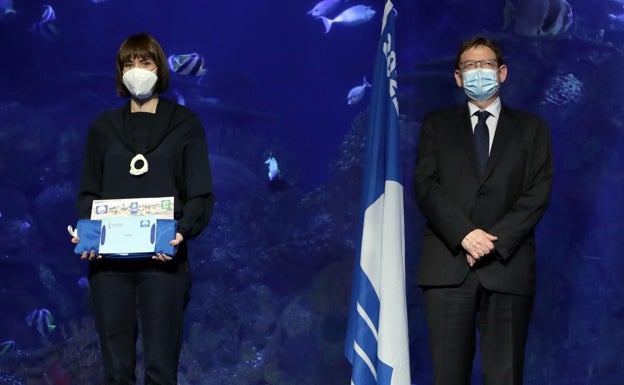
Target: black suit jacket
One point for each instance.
(507, 201)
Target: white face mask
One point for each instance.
(140, 82)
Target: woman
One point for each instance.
(164, 146)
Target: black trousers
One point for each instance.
(454, 313)
(128, 293)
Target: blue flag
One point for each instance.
(377, 343)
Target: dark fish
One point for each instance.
(538, 17)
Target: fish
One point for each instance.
(323, 8)
(619, 19)
(42, 320)
(191, 64)
(179, 98)
(273, 168)
(355, 15)
(83, 282)
(357, 93)
(6, 8)
(538, 17)
(276, 183)
(6, 347)
(48, 16)
(24, 226)
(45, 26)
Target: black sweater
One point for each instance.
(174, 144)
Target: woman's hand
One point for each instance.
(174, 242)
(86, 255)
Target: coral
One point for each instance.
(297, 319)
(9, 379)
(56, 292)
(80, 354)
(53, 215)
(563, 90)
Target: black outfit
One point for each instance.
(507, 200)
(152, 292)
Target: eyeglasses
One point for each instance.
(472, 64)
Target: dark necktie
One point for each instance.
(482, 140)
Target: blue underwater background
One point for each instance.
(272, 272)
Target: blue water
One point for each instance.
(272, 271)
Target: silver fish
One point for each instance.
(355, 15)
(323, 8)
(273, 168)
(357, 93)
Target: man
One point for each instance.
(482, 195)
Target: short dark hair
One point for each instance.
(142, 46)
(479, 41)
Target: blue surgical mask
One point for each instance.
(480, 83)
